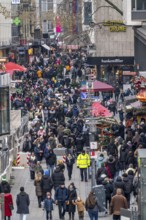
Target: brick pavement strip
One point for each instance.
(22, 178)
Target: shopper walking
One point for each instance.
(22, 202)
(69, 164)
(80, 207)
(83, 162)
(91, 206)
(48, 206)
(8, 205)
(72, 196)
(118, 201)
(38, 188)
(61, 198)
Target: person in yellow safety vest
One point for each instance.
(83, 162)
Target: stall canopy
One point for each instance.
(11, 67)
(99, 110)
(98, 86)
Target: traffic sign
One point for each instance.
(93, 145)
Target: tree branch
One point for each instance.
(115, 7)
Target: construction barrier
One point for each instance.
(23, 159)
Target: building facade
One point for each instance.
(4, 104)
(134, 14)
(113, 40)
(5, 27)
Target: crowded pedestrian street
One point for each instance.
(72, 110)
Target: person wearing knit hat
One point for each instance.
(4, 185)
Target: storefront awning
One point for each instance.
(46, 46)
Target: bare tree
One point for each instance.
(114, 6)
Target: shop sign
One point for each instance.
(110, 60)
(93, 145)
(117, 29)
(115, 25)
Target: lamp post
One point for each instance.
(93, 147)
(92, 131)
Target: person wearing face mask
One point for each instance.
(72, 196)
(61, 198)
(83, 162)
(48, 206)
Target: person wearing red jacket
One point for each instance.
(8, 206)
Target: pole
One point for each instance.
(2, 205)
(91, 137)
(93, 168)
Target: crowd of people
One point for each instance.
(50, 94)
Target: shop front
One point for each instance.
(110, 69)
(4, 104)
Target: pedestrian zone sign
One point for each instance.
(93, 145)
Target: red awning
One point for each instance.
(11, 67)
(99, 110)
(98, 86)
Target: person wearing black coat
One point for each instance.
(123, 156)
(108, 186)
(4, 186)
(118, 184)
(58, 178)
(46, 184)
(127, 187)
(72, 196)
(22, 202)
(69, 164)
(51, 161)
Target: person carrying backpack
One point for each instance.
(127, 187)
(91, 206)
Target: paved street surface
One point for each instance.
(22, 179)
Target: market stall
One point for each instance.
(98, 87)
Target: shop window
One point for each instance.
(140, 4)
(4, 110)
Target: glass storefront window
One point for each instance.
(4, 110)
(138, 4)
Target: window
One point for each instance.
(87, 12)
(50, 25)
(4, 110)
(70, 7)
(138, 5)
(50, 4)
(45, 27)
(141, 4)
(133, 4)
(44, 5)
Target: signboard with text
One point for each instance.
(93, 145)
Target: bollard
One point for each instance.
(2, 205)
